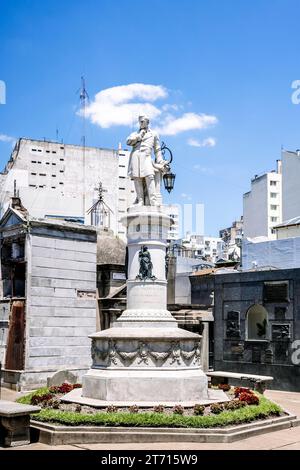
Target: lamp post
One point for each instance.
(168, 176)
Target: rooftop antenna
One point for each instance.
(100, 211)
(84, 100)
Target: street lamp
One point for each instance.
(168, 176)
(169, 179)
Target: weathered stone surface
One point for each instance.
(15, 421)
(146, 385)
(62, 376)
(110, 249)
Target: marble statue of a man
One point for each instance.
(141, 167)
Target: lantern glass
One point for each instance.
(169, 179)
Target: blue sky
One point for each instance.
(213, 73)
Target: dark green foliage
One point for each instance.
(178, 410)
(199, 410)
(216, 408)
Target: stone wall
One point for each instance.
(61, 305)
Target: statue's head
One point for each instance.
(144, 121)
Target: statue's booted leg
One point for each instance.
(139, 190)
(151, 190)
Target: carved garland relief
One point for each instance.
(114, 356)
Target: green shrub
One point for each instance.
(112, 409)
(234, 405)
(26, 399)
(178, 410)
(199, 410)
(133, 409)
(159, 409)
(216, 408)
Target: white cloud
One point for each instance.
(121, 105)
(187, 122)
(7, 138)
(209, 142)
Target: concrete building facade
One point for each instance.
(200, 246)
(174, 211)
(232, 239)
(262, 206)
(47, 297)
(290, 184)
(60, 181)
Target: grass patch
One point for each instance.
(26, 399)
(243, 415)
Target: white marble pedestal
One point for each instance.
(144, 356)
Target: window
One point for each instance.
(39, 150)
(61, 171)
(33, 174)
(33, 150)
(33, 161)
(273, 183)
(54, 176)
(53, 163)
(62, 159)
(53, 151)
(121, 166)
(122, 177)
(42, 174)
(276, 291)
(47, 163)
(61, 182)
(273, 219)
(40, 163)
(256, 323)
(273, 194)
(47, 151)
(32, 186)
(61, 148)
(274, 207)
(122, 189)
(53, 187)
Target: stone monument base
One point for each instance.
(146, 364)
(145, 386)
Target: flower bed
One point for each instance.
(245, 407)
